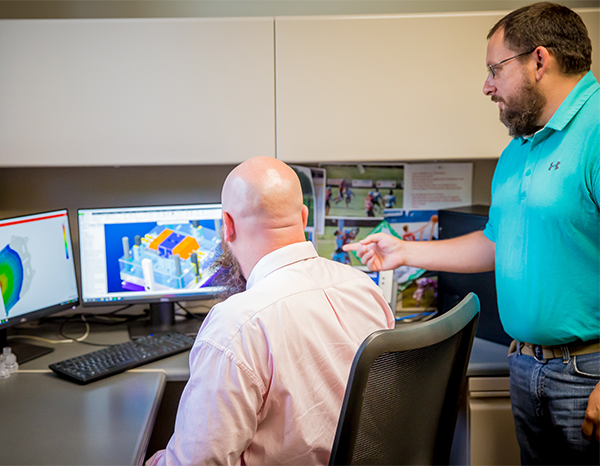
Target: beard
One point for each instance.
(522, 110)
(230, 276)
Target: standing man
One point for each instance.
(543, 234)
(269, 367)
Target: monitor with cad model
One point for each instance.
(37, 274)
(157, 255)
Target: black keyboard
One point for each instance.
(121, 357)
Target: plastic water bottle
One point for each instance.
(10, 360)
(4, 373)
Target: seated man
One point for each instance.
(270, 364)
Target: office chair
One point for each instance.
(401, 401)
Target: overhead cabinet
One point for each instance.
(136, 91)
(388, 88)
(89, 92)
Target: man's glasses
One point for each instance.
(491, 67)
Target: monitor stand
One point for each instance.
(24, 351)
(162, 320)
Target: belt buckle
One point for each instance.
(538, 353)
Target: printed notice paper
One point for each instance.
(430, 186)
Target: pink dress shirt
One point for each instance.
(270, 365)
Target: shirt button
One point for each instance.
(528, 172)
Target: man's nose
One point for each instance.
(488, 87)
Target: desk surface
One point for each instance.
(175, 368)
(110, 421)
(488, 359)
(47, 420)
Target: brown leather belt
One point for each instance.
(539, 352)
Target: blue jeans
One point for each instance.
(549, 399)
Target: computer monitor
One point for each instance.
(151, 255)
(37, 274)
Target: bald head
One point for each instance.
(266, 189)
(262, 208)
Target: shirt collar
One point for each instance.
(279, 258)
(578, 96)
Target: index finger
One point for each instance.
(351, 246)
(374, 238)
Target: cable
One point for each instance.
(73, 340)
(67, 338)
(110, 318)
(120, 309)
(192, 314)
(32, 337)
(81, 340)
(55, 342)
(203, 306)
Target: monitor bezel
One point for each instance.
(55, 308)
(146, 298)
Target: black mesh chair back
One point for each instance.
(401, 402)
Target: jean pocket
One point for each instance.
(587, 365)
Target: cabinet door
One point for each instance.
(136, 91)
(492, 431)
(387, 88)
(491, 427)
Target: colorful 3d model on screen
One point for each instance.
(169, 257)
(11, 277)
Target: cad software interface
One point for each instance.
(36, 264)
(149, 252)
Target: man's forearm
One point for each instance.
(470, 253)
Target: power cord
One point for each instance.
(56, 342)
(191, 314)
(109, 319)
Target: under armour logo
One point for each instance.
(553, 165)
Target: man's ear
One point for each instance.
(542, 60)
(304, 216)
(228, 228)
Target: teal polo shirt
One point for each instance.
(545, 221)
